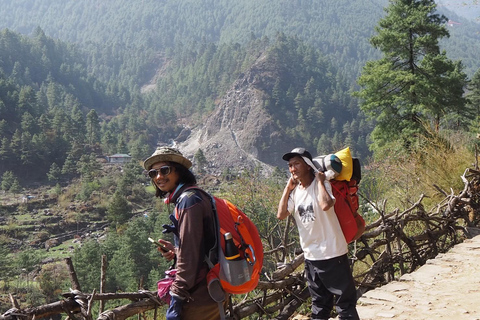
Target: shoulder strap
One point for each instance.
(334, 186)
(343, 193)
(212, 255)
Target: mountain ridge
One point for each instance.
(233, 135)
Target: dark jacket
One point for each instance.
(195, 228)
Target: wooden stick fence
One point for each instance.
(397, 243)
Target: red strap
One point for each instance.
(343, 194)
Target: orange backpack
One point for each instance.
(246, 238)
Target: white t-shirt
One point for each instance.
(321, 236)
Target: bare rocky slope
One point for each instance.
(241, 134)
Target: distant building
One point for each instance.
(119, 158)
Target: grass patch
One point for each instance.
(63, 250)
(150, 189)
(401, 177)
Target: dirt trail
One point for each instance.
(447, 287)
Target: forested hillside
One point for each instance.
(80, 115)
(192, 52)
(145, 27)
(45, 95)
(291, 95)
(130, 34)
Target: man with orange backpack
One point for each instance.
(193, 227)
(308, 197)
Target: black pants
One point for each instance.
(328, 280)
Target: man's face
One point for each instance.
(298, 168)
(165, 182)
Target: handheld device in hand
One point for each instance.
(158, 244)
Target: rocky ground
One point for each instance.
(447, 287)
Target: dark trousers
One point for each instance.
(328, 280)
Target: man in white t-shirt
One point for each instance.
(308, 196)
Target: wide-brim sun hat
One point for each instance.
(163, 154)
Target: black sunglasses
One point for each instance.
(164, 171)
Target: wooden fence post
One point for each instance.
(73, 275)
(102, 282)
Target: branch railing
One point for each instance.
(398, 242)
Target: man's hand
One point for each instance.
(170, 254)
(320, 176)
(291, 183)
(282, 212)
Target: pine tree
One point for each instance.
(54, 173)
(28, 123)
(473, 97)
(93, 128)
(8, 179)
(324, 145)
(119, 211)
(27, 154)
(5, 154)
(87, 262)
(69, 169)
(414, 84)
(53, 94)
(15, 188)
(200, 160)
(26, 100)
(87, 166)
(78, 128)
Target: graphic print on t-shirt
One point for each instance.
(306, 213)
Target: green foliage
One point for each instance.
(473, 96)
(6, 265)
(87, 96)
(69, 168)
(88, 167)
(130, 177)
(27, 260)
(59, 88)
(435, 163)
(119, 210)
(54, 173)
(64, 106)
(87, 188)
(87, 262)
(414, 84)
(139, 249)
(339, 28)
(45, 80)
(8, 179)
(15, 188)
(122, 276)
(93, 128)
(302, 91)
(151, 27)
(53, 280)
(56, 190)
(200, 161)
(130, 258)
(10, 183)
